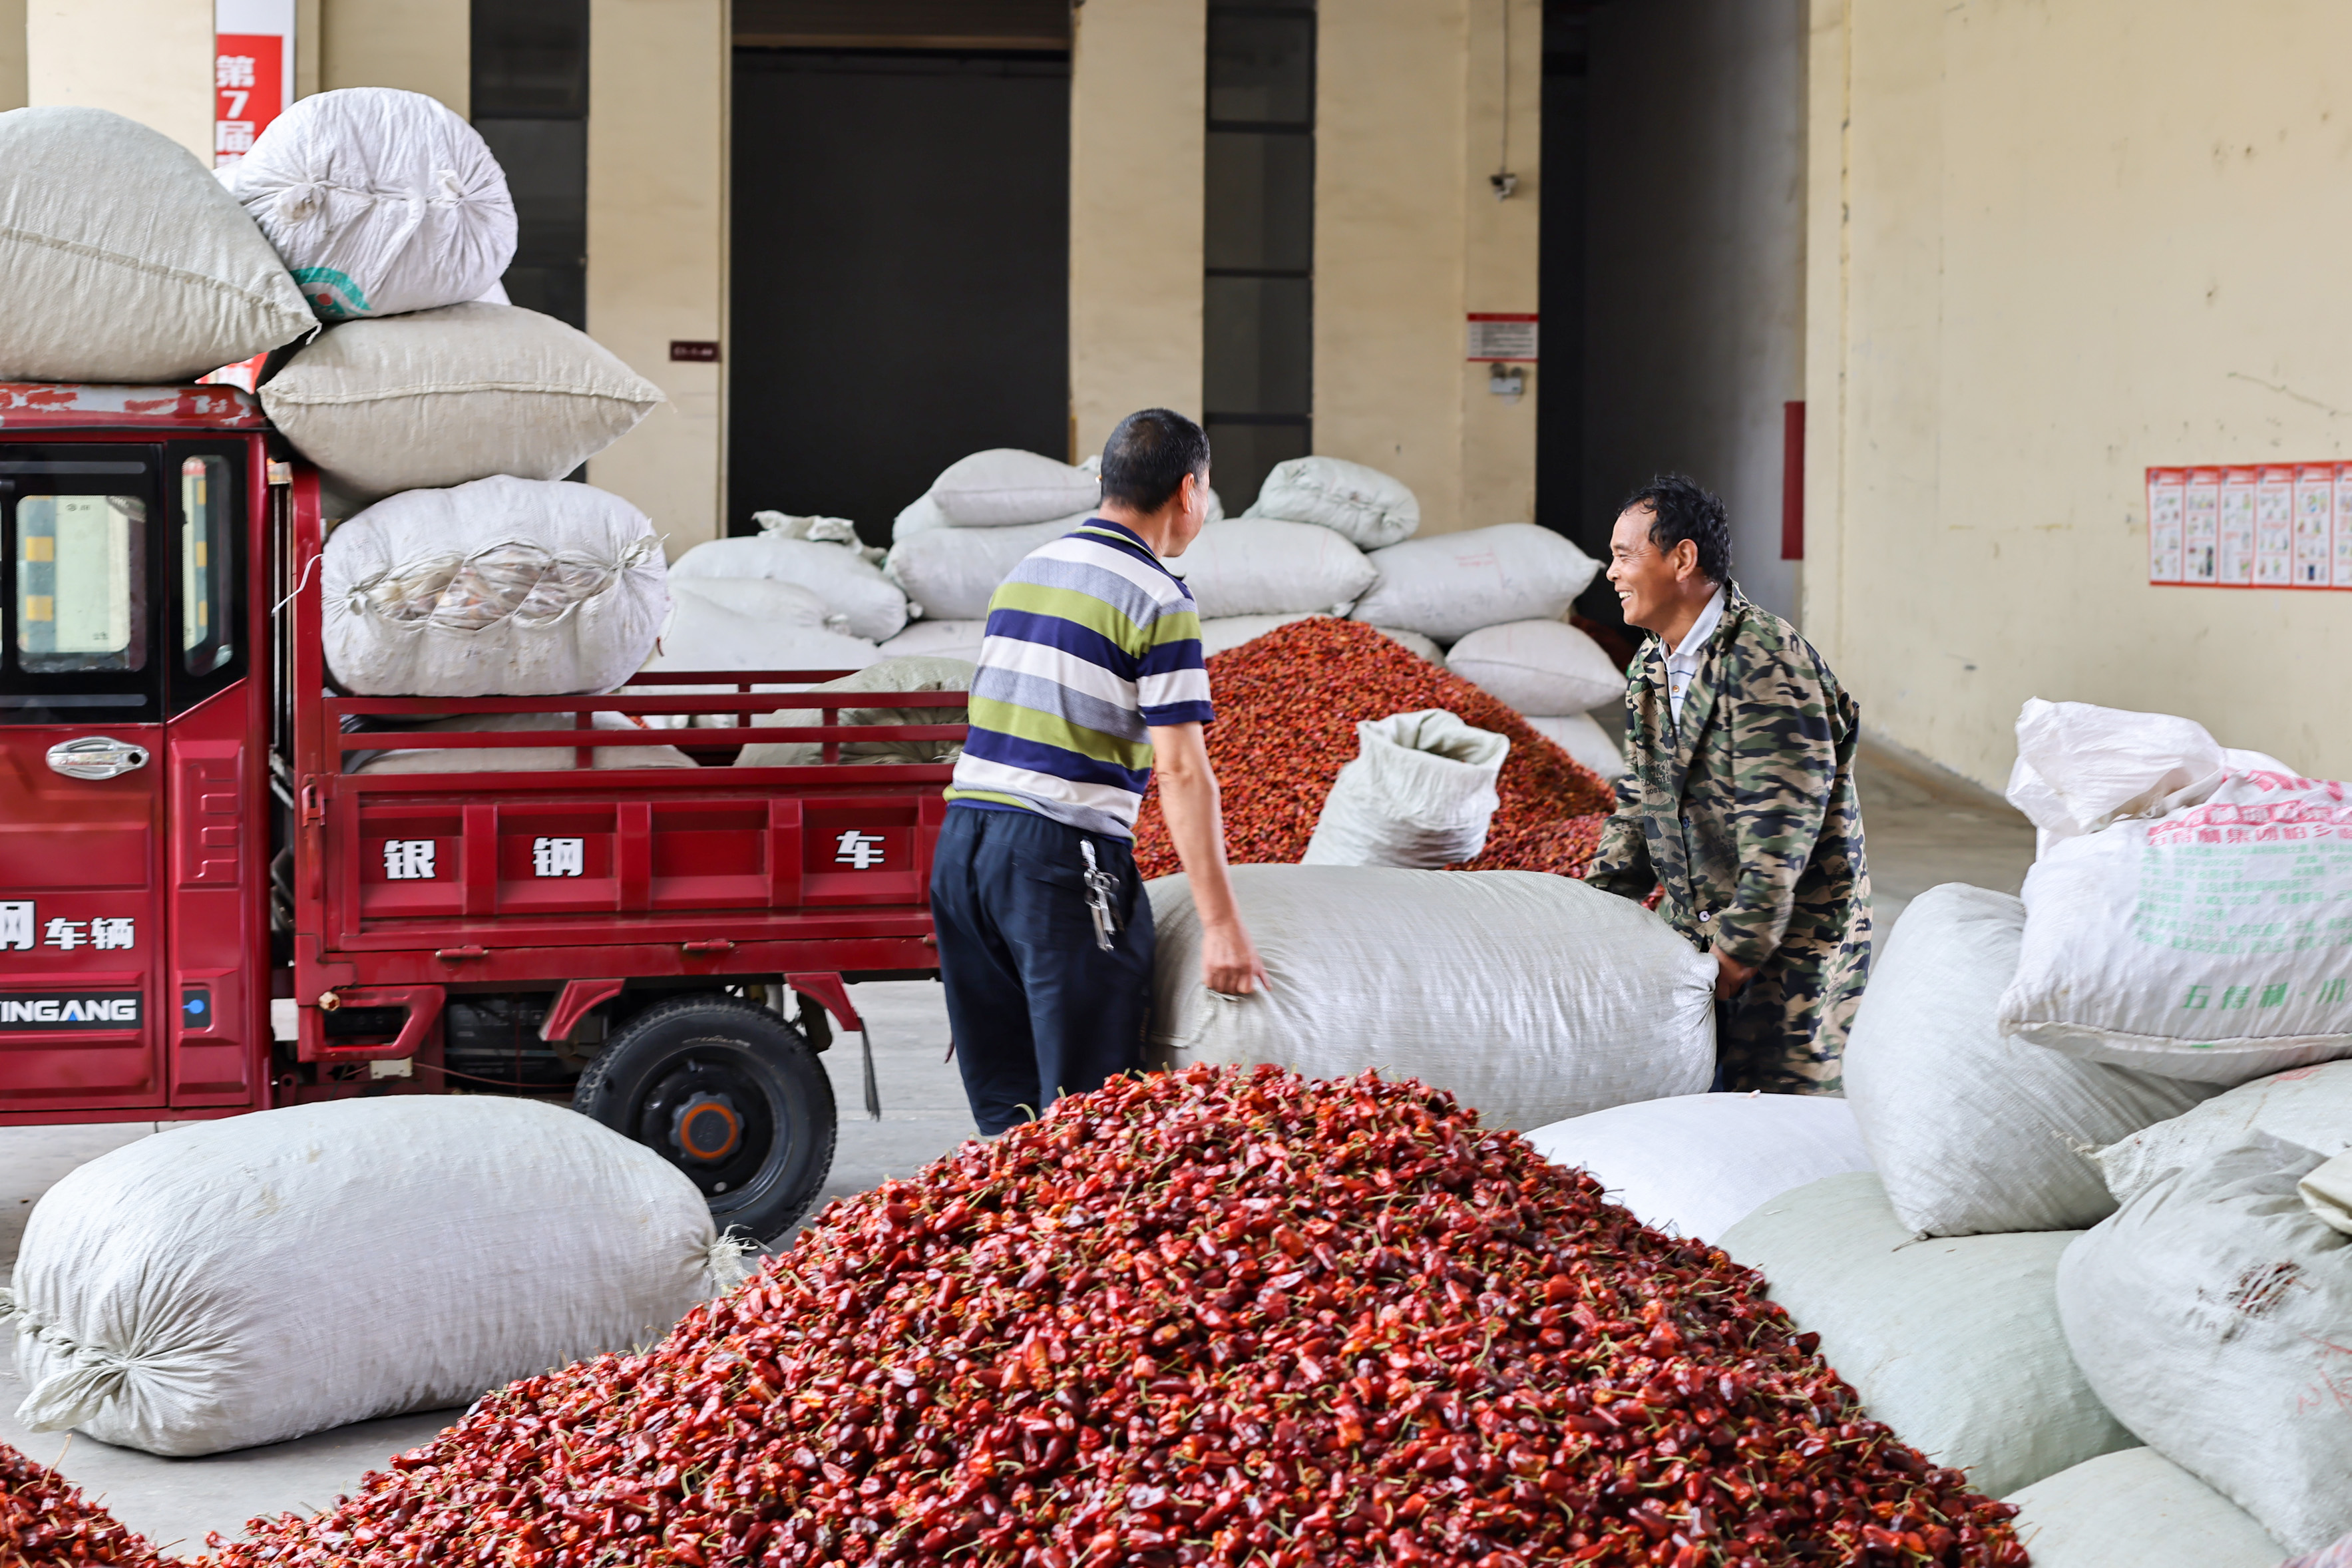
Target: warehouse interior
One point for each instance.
(1948, 304)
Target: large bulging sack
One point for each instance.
(915, 673)
(503, 587)
(124, 259)
(952, 572)
(2203, 944)
(380, 200)
(2308, 1107)
(1450, 585)
(1366, 506)
(1538, 666)
(1956, 1343)
(726, 623)
(2080, 767)
(940, 639)
(852, 587)
(1005, 487)
(1419, 791)
(1583, 739)
(1256, 566)
(1558, 999)
(1697, 1164)
(2213, 1315)
(1975, 1133)
(2135, 1508)
(237, 1283)
(444, 396)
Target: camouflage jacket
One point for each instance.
(1744, 813)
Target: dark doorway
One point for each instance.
(900, 293)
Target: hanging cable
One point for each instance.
(1502, 180)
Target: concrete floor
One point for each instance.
(1922, 827)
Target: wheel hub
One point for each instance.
(708, 1129)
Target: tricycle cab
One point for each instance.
(134, 931)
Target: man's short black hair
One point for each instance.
(1681, 509)
(1147, 457)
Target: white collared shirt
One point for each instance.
(1682, 665)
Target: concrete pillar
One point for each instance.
(1410, 240)
(658, 79)
(12, 55)
(1139, 112)
(148, 59)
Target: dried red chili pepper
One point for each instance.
(1287, 704)
(46, 1523)
(1221, 1316)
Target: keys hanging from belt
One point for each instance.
(1100, 888)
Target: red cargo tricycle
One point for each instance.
(205, 910)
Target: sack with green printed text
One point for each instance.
(2213, 943)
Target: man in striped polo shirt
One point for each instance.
(1089, 677)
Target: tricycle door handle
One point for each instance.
(96, 757)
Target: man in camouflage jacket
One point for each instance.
(1739, 810)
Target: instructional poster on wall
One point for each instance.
(2251, 525)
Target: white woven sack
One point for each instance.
(1256, 566)
(2206, 944)
(1005, 487)
(1419, 791)
(1557, 1000)
(1583, 739)
(1364, 505)
(743, 623)
(2308, 1107)
(952, 572)
(381, 201)
(2080, 767)
(231, 1283)
(124, 259)
(1413, 642)
(2211, 1314)
(1697, 1164)
(443, 396)
(1538, 666)
(1974, 1132)
(946, 639)
(1450, 585)
(910, 673)
(919, 516)
(503, 587)
(849, 585)
(1956, 1343)
(396, 759)
(2135, 1508)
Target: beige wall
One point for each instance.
(12, 55)
(2078, 240)
(657, 88)
(1139, 112)
(148, 59)
(424, 46)
(1409, 239)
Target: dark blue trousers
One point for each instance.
(1036, 1009)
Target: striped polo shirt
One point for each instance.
(1090, 643)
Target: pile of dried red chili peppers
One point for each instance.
(1220, 1316)
(1287, 705)
(44, 1523)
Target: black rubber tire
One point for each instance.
(774, 1135)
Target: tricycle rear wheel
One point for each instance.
(729, 1093)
